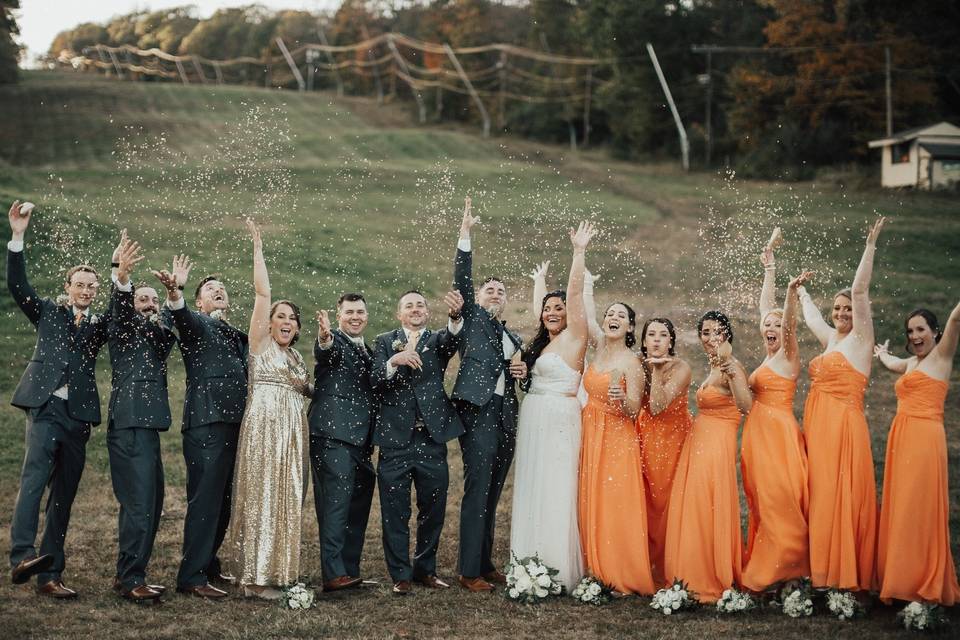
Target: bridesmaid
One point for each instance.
(843, 493)
(914, 561)
(703, 525)
(663, 424)
(612, 501)
(773, 459)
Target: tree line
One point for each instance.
(794, 84)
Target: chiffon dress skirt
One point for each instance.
(544, 516)
(773, 464)
(263, 538)
(704, 544)
(914, 561)
(843, 491)
(661, 442)
(613, 505)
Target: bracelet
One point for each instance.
(114, 265)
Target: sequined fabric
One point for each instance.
(263, 540)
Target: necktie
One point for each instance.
(412, 341)
(78, 318)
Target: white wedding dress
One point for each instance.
(544, 518)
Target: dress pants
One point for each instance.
(136, 471)
(422, 463)
(209, 451)
(343, 481)
(487, 447)
(56, 450)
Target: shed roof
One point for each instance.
(939, 130)
(951, 151)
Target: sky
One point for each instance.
(41, 20)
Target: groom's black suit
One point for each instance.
(490, 420)
(139, 411)
(342, 416)
(57, 428)
(415, 422)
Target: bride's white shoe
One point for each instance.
(258, 591)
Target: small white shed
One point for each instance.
(925, 157)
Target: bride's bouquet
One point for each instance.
(921, 616)
(735, 601)
(797, 598)
(674, 598)
(844, 605)
(297, 597)
(591, 591)
(529, 580)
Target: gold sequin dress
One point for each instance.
(263, 540)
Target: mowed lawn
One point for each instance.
(354, 197)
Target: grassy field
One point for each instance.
(353, 197)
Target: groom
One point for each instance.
(486, 398)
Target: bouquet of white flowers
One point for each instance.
(844, 605)
(796, 598)
(920, 616)
(735, 601)
(674, 598)
(297, 597)
(529, 580)
(591, 591)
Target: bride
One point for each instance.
(544, 519)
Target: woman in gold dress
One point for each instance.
(263, 539)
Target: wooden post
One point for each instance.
(376, 68)
(196, 65)
(311, 58)
(406, 70)
(708, 116)
(501, 91)
(473, 92)
(216, 69)
(588, 88)
(290, 63)
(684, 142)
(183, 72)
(116, 63)
(889, 91)
(331, 60)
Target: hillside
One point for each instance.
(353, 197)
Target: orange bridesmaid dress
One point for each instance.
(661, 441)
(612, 501)
(843, 491)
(914, 561)
(773, 463)
(704, 545)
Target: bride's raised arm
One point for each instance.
(260, 317)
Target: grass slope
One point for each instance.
(355, 198)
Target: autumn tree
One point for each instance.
(9, 50)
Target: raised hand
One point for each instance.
(127, 256)
(469, 220)
(19, 217)
(454, 302)
(167, 279)
(583, 235)
(255, 235)
(767, 259)
(880, 349)
(798, 282)
(875, 230)
(181, 269)
(116, 252)
(323, 327)
(540, 271)
(652, 361)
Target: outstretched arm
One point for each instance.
(576, 315)
(947, 347)
(463, 264)
(862, 315)
(539, 276)
(768, 295)
(788, 329)
(812, 317)
(260, 318)
(20, 288)
(173, 281)
(890, 361)
(590, 307)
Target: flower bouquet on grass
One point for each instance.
(591, 591)
(676, 597)
(844, 605)
(297, 597)
(921, 616)
(735, 601)
(796, 598)
(529, 580)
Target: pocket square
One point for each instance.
(425, 349)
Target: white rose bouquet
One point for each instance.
(735, 601)
(591, 591)
(297, 597)
(921, 616)
(797, 598)
(529, 580)
(676, 597)
(844, 605)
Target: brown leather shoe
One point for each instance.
(56, 589)
(30, 567)
(402, 588)
(203, 591)
(159, 588)
(222, 579)
(343, 582)
(140, 593)
(495, 577)
(432, 582)
(476, 585)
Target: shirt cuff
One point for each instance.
(17, 246)
(390, 370)
(127, 288)
(454, 326)
(176, 305)
(464, 244)
(323, 346)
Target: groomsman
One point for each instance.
(415, 422)
(486, 398)
(140, 341)
(342, 416)
(58, 391)
(215, 357)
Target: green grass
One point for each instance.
(357, 198)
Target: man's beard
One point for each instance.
(494, 310)
(148, 311)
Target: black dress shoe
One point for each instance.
(30, 567)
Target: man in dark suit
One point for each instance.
(58, 391)
(415, 422)
(486, 398)
(342, 416)
(215, 356)
(140, 341)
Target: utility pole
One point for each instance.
(684, 142)
(709, 119)
(886, 51)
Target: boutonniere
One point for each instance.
(425, 349)
(62, 300)
(398, 345)
(154, 318)
(218, 314)
(94, 318)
